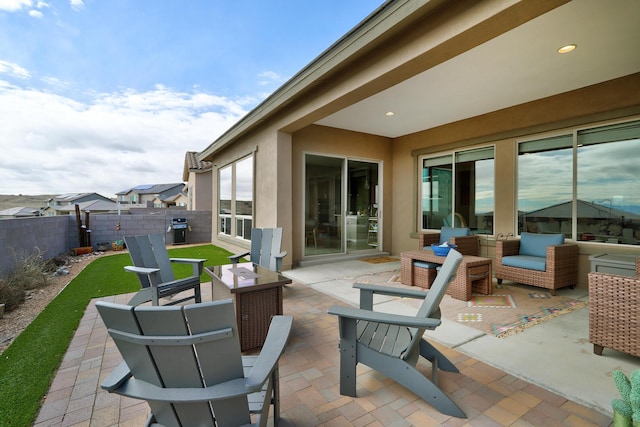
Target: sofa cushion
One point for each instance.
(527, 262)
(446, 233)
(424, 264)
(536, 244)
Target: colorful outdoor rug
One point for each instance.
(469, 317)
(380, 259)
(491, 301)
(506, 330)
(511, 310)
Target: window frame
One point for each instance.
(227, 224)
(464, 155)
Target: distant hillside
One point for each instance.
(13, 201)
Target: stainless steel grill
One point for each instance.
(180, 227)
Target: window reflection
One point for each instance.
(606, 205)
(457, 190)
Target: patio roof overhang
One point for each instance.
(437, 62)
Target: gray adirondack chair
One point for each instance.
(265, 249)
(392, 343)
(185, 361)
(153, 267)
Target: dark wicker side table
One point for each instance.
(474, 274)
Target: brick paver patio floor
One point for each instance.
(309, 379)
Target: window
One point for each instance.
(235, 204)
(458, 190)
(608, 190)
(545, 185)
(591, 185)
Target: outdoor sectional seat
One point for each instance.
(424, 273)
(542, 260)
(614, 311)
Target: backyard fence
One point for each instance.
(54, 235)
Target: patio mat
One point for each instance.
(512, 309)
(380, 259)
(491, 301)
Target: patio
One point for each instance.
(546, 375)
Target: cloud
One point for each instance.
(113, 141)
(35, 13)
(14, 70)
(269, 78)
(14, 5)
(76, 4)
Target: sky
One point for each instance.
(105, 95)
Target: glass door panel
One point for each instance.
(362, 205)
(323, 216)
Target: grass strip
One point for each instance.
(28, 365)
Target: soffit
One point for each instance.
(516, 67)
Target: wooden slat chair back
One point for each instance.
(392, 344)
(153, 267)
(186, 362)
(430, 307)
(265, 248)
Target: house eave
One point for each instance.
(373, 29)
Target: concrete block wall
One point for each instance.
(143, 221)
(22, 236)
(59, 234)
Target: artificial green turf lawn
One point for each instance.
(27, 366)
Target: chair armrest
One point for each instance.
(563, 251)
(562, 257)
(427, 239)
(390, 290)
(142, 390)
(236, 258)
(196, 263)
(386, 318)
(272, 349)
(367, 291)
(140, 270)
(467, 245)
(117, 377)
(507, 248)
(280, 255)
(187, 260)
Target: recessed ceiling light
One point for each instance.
(389, 113)
(567, 48)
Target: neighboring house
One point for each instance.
(91, 206)
(152, 196)
(198, 176)
(61, 204)
(19, 212)
(177, 200)
(430, 108)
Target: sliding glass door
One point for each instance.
(341, 205)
